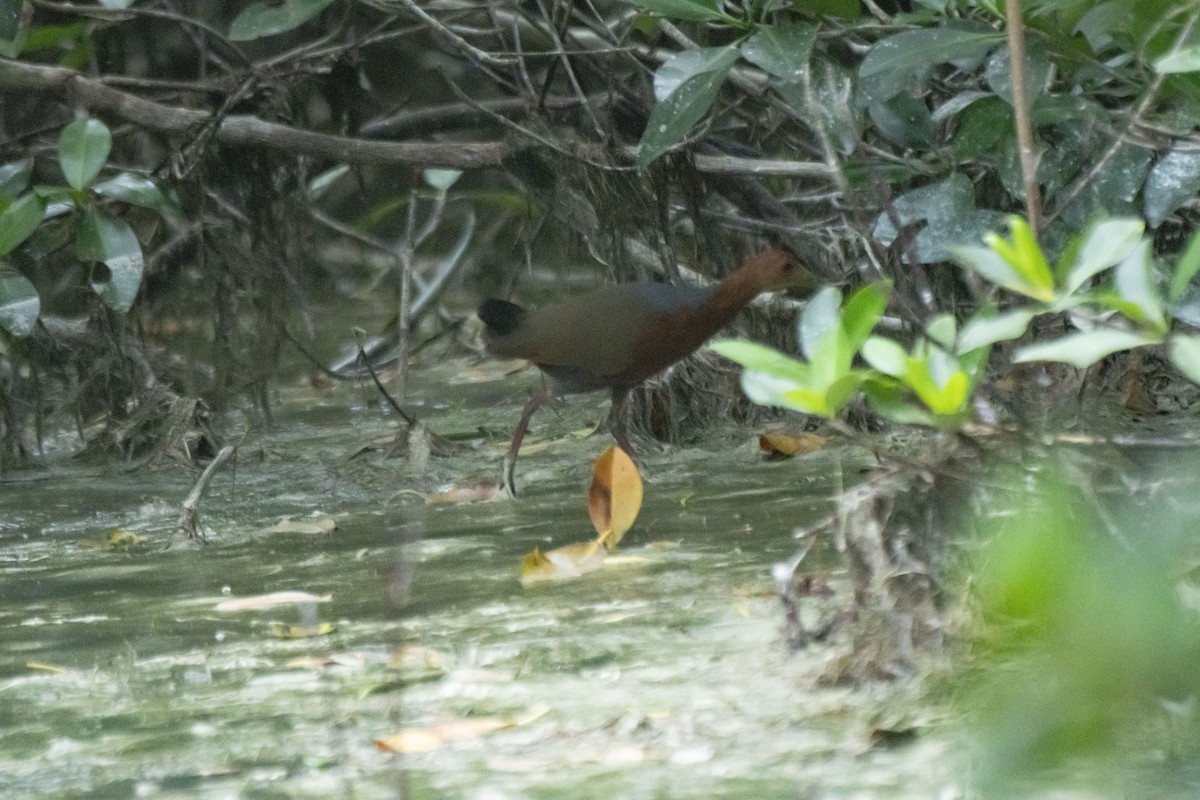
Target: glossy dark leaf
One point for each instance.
(14, 178)
(19, 305)
(686, 10)
(890, 64)
(112, 242)
(270, 17)
(19, 220)
(689, 82)
(1173, 181)
(781, 50)
(905, 120)
(83, 149)
(134, 189)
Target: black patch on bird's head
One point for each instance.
(501, 316)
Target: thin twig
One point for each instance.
(1024, 120)
(189, 514)
(455, 40)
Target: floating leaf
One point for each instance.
(780, 444)
(562, 563)
(615, 495)
(282, 630)
(432, 737)
(83, 148)
(319, 524)
(261, 601)
(484, 491)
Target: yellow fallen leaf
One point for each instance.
(282, 630)
(562, 563)
(484, 491)
(42, 666)
(431, 737)
(415, 656)
(615, 495)
(261, 601)
(780, 444)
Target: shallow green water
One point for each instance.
(662, 675)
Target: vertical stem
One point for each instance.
(407, 253)
(1024, 123)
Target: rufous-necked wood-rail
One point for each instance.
(616, 337)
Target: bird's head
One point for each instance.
(774, 269)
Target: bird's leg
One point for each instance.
(616, 419)
(510, 459)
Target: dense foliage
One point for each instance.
(201, 163)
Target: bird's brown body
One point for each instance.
(616, 337)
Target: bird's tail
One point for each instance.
(501, 316)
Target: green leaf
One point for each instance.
(863, 311)
(885, 356)
(689, 82)
(1028, 259)
(762, 359)
(19, 305)
(111, 241)
(1185, 269)
(768, 390)
(1038, 70)
(985, 329)
(10, 19)
(997, 270)
(1085, 348)
(270, 17)
(441, 179)
(824, 99)
(904, 120)
(1173, 181)
(1104, 244)
(14, 178)
(821, 324)
(137, 190)
(320, 184)
(890, 63)
(782, 50)
(1184, 59)
(83, 148)
(951, 397)
(1185, 355)
(1135, 282)
(943, 329)
(686, 10)
(20, 220)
